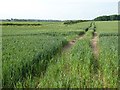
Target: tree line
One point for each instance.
(108, 18)
(29, 20)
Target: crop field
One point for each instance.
(58, 55)
(107, 26)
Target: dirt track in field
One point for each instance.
(95, 51)
(94, 45)
(67, 47)
(95, 48)
(71, 43)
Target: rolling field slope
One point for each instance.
(33, 55)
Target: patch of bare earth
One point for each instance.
(95, 47)
(71, 43)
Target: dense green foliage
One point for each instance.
(108, 34)
(26, 55)
(108, 18)
(109, 60)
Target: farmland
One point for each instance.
(32, 55)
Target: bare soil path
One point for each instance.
(96, 66)
(94, 61)
(94, 45)
(71, 43)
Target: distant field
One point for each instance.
(33, 57)
(45, 27)
(107, 26)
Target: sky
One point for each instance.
(57, 9)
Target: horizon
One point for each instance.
(54, 19)
(57, 10)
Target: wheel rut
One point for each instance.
(71, 43)
(67, 47)
(94, 44)
(95, 63)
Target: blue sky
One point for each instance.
(57, 9)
